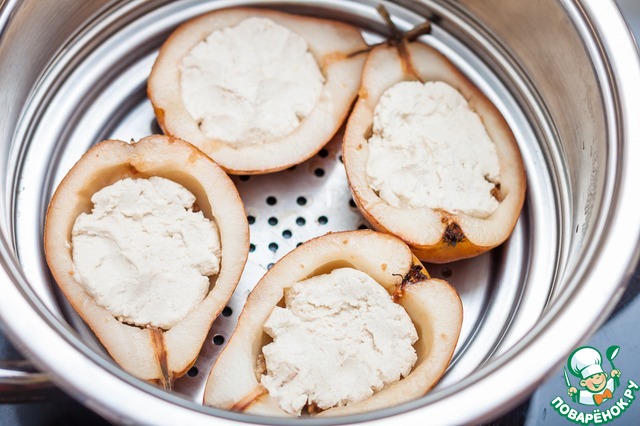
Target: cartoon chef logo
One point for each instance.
(602, 397)
(585, 363)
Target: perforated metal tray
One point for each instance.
(96, 89)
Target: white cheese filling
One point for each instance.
(251, 83)
(340, 339)
(429, 149)
(143, 254)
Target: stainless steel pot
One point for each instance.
(564, 73)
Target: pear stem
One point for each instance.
(396, 35)
(399, 39)
(418, 30)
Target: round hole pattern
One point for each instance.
(155, 127)
(446, 272)
(328, 195)
(193, 372)
(284, 210)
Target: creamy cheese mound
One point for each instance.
(143, 254)
(340, 339)
(250, 83)
(429, 149)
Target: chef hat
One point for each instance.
(585, 362)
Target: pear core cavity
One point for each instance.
(143, 254)
(250, 83)
(429, 149)
(338, 341)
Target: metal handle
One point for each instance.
(19, 373)
(21, 382)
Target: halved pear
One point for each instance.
(149, 354)
(432, 304)
(434, 235)
(331, 44)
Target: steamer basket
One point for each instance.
(564, 74)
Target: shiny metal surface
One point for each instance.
(21, 383)
(96, 102)
(21, 373)
(550, 68)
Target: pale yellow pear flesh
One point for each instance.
(433, 235)
(330, 42)
(136, 349)
(432, 304)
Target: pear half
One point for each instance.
(149, 353)
(432, 304)
(434, 235)
(331, 44)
